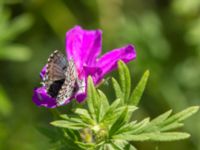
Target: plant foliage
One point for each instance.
(103, 126)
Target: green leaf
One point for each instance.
(133, 127)
(108, 146)
(125, 80)
(130, 137)
(20, 24)
(126, 128)
(86, 146)
(157, 121)
(68, 124)
(115, 146)
(93, 100)
(110, 113)
(15, 52)
(140, 126)
(64, 116)
(104, 104)
(121, 120)
(181, 115)
(85, 116)
(168, 136)
(171, 126)
(5, 104)
(161, 118)
(139, 89)
(118, 92)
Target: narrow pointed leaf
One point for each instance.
(125, 80)
(86, 146)
(153, 125)
(121, 120)
(68, 124)
(64, 116)
(168, 136)
(131, 137)
(171, 126)
(85, 116)
(103, 100)
(104, 105)
(178, 117)
(92, 99)
(126, 128)
(118, 91)
(110, 113)
(140, 126)
(161, 118)
(115, 146)
(139, 89)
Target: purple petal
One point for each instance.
(94, 72)
(80, 95)
(84, 46)
(41, 98)
(108, 61)
(43, 72)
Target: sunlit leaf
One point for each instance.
(68, 124)
(139, 89)
(125, 80)
(118, 92)
(121, 120)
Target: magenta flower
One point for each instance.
(84, 46)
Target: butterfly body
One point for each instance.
(60, 78)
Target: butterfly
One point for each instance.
(61, 77)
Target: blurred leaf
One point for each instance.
(5, 104)
(186, 7)
(15, 52)
(59, 19)
(20, 24)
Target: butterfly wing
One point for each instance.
(56, 68)
(69, 86)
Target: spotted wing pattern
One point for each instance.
(56, 68)
(69, 86)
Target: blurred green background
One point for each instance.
(166, 34)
